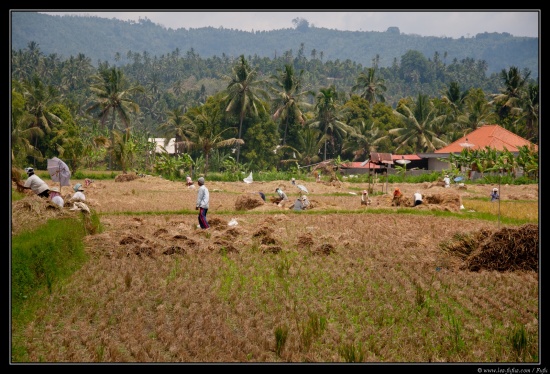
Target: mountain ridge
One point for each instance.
(70, 35)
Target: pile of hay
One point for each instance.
(449, 200)
(248, 202)
(33, 211)
(305, 241)
(16, 178)
(509, 249)
(402, 201)
(217, 223)
(126, 177)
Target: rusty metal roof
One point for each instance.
(381, 158)
(360, 165)
(406, 157)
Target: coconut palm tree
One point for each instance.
(22, 131)
(243, 94)
(364, 141)
(176, 124)
(328, 118)
(530, 112)
(477, 111)
(310, 142)
(204, 132)
(419, 129)
(286, 89)
(113, 98)
(508, 101)
(372, 88)
(454, 97)
(39, 99)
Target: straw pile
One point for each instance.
(447, 199)
(508, 249)
(126, 177)
(248, 202)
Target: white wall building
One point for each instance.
(170, 147)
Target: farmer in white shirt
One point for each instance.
(78, 193)
(34, 183)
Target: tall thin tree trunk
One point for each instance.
(239, 145)
(286, 127)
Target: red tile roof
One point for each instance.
(493, 136)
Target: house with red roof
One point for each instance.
(492, 136)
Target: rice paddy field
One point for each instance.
(453, 281)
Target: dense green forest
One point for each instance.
(252, 113)
(71, 35)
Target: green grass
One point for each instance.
(269, 176)
(41, 260)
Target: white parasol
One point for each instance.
(302, 187)
(59, 172)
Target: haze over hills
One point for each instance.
(111, 40)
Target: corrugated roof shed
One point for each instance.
(381, 158)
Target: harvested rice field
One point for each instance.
(338, 282)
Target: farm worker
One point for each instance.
(305, 201)
(35, 183)
(301, 203)
(78, 193)
(298, 204)
(494, 194)
(55, 195)
(203, 200)
(365, 198)
(188, 181)
(397, 193)
(447, 181)
(281, 194)
(262, 195)
(293, 181)
(417, 198)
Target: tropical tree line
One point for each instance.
(253, 121)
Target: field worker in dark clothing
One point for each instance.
(494, 194)
(36, 184)
(262, 195)
(203, 200)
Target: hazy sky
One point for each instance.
(455, 24)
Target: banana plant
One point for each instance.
(170, 166)
(528, 159)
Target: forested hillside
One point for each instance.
(114, 41)
(237, 113)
